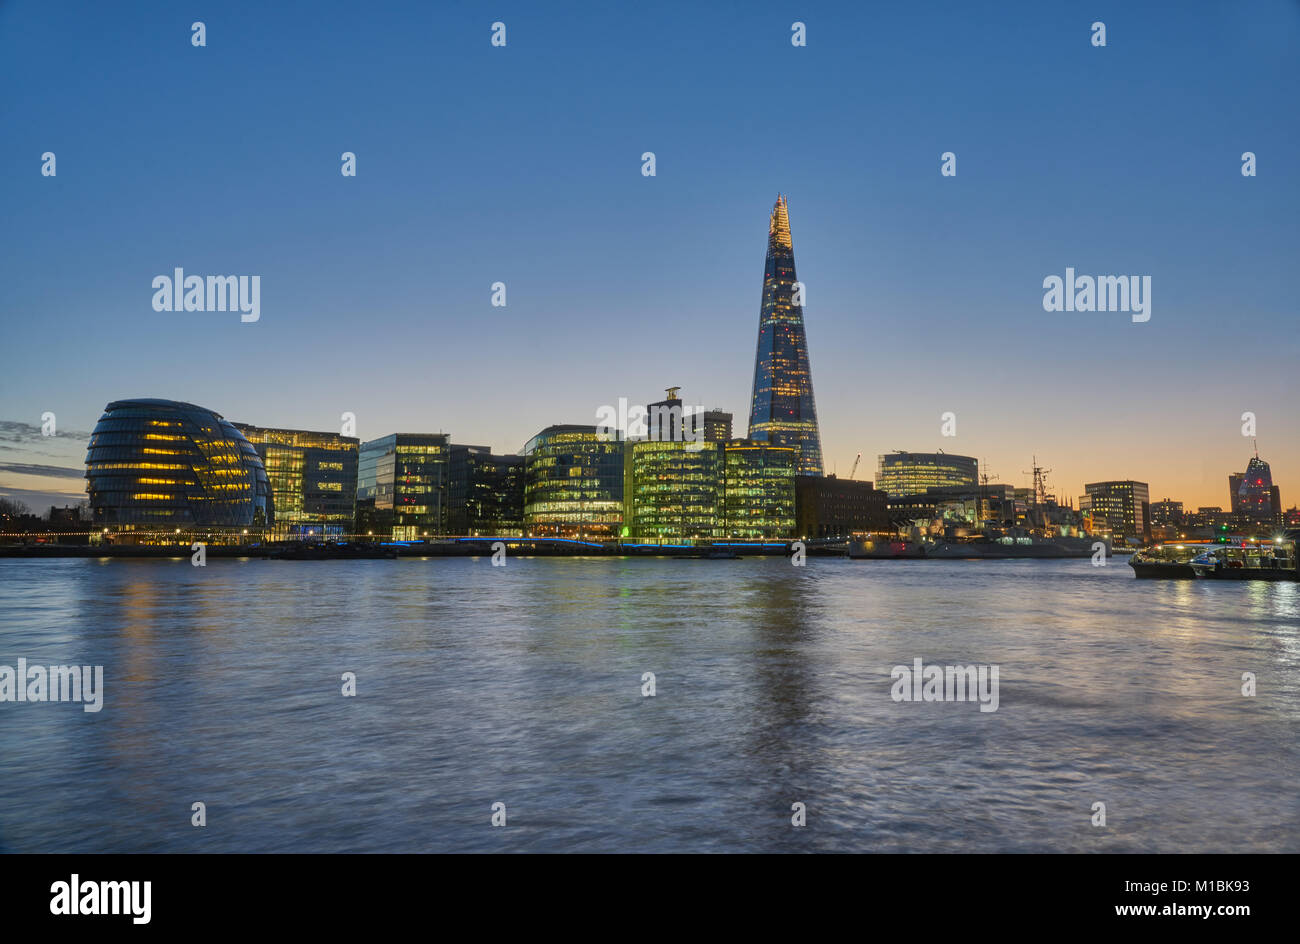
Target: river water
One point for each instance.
(522, 685)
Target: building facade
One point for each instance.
(717, 426)
(673, 491)
(573, 483)
(1167, 512)
(402, 486)
(911, 473)
(782, 410)
(758, 490)
(313, 479)
(485, 493)
(829, 507)
(1124, 505)
(163, 465)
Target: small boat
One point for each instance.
(1169, 561)
(1248, 560)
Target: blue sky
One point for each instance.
(521, 164)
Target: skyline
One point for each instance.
(923, 292)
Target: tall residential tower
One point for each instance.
(782, 411)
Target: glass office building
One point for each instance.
(911, 473)
(485, 493)
(402, 486)
(573, 483)
(782, 409)
(162, 465)
(313, 479)
(673, 491)
(758, 499)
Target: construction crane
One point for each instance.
(855, 466)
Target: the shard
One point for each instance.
(783, 411)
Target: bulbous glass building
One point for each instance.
(162, 465)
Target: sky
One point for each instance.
(522, 164)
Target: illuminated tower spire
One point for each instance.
(783, 410)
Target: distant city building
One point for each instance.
(758, 490)
(829, 507)
(402, 486)
(67, 518)
(313, 479)
(717, 426)
(1124, 505)
(1206, 519)
(485, 492)
(155, 465)
(1253, 493)
(911, 473)
(782, 409)
(573, 483)
(1167, 512)
(1234, 491)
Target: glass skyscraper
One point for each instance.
(783, 411)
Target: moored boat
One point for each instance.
(1248, 560)
(1168, 561)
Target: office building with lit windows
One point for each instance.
(782, 410)
(164, 465)
(1124, 505)
(758, 500)
(717, 426)
(402, 486)
(573, 483)
(911, 473)
(313, 479)
(485, 492)
(674, 491)
(672, 487)
(1167, 512)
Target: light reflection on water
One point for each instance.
(522, 684)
